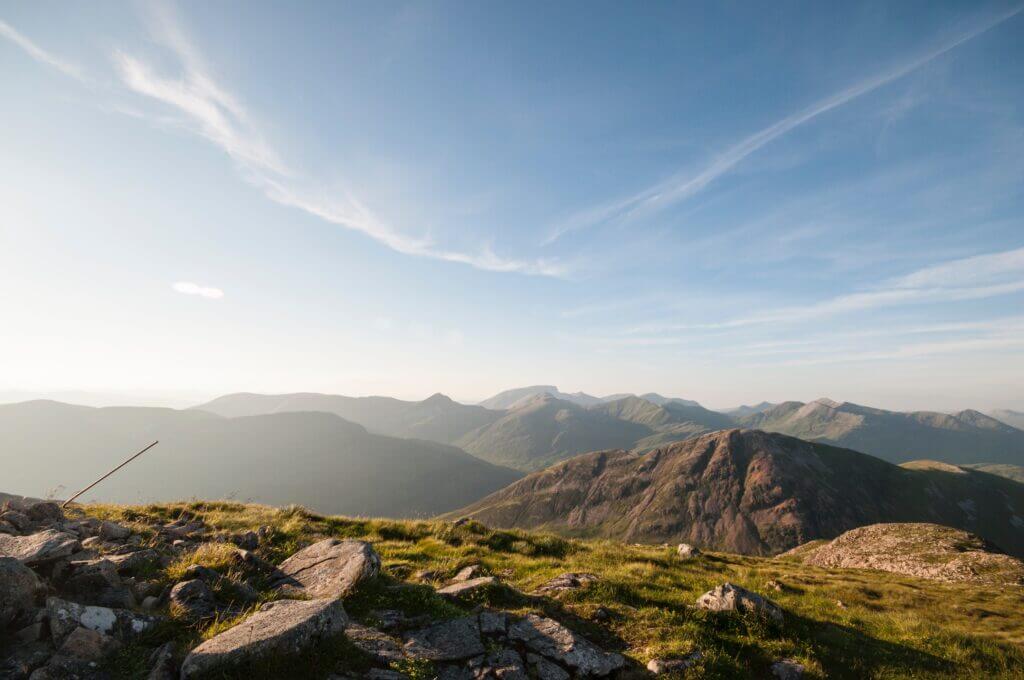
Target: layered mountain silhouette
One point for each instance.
(1014, 472)
(437, 418)
(540, 430)
(508, 398)
(318, 460)
(752, 492)
(529, 428)
(964, 437)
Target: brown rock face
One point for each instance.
(747, 491)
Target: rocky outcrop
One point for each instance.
(330, 568)
(94, 611)
(922, 550)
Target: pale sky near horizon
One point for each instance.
(728, 202)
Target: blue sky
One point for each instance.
(725, 202)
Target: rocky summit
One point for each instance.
(226, 590)
(916, 549)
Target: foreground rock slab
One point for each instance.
(731, 598)
(38, 547)
(329, 568)
(284, 627)
(551, 639)
(447, 641)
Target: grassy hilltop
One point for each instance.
(838, 623)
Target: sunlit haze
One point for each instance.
(729, 203)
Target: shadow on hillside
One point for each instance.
(846, 652)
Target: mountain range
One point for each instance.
(540, 425)
(436, 419)
(963, 437)
(751, 492)
(315, 459)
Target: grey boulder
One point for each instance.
(551, 639)
(193, 600)
(39, 547)
(686, 551)
(567, 581)
(18, 588)
(122, 624)
(446, 641)
(329, 568)
(284, 627)
(731, 598)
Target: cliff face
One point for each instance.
(752, 492)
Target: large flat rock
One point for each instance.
(39, 547)
(551, 639)
(329, 568)
(284, 627)
(446, 641)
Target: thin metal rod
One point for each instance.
(65, 504)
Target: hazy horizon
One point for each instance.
(185, 400)
(722, 203)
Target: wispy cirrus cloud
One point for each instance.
(970, 278)
(684, 185)
(219, 116)
(39, 54)
(189, 288)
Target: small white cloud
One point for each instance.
(189, 288)
(38, 53)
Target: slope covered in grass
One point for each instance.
(838, 623)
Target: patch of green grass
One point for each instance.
(891, 626)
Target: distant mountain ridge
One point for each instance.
(315, 459)
(437, 418)
(965, 437)
(528, 437)
(541, 429)
(1012, 418)
(752, 492)
(508, 398)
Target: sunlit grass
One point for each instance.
(889, 627)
